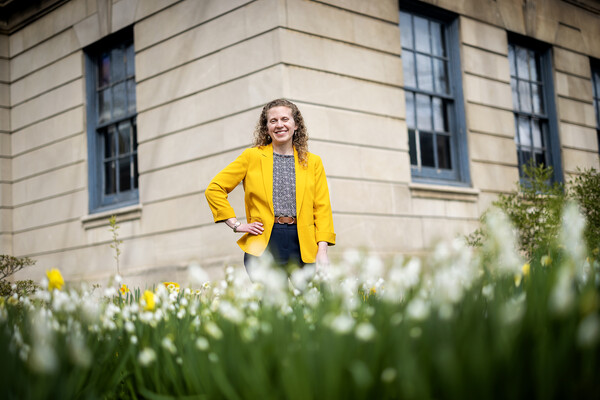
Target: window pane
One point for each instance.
(124, 137)
(524, 134)
(524, 96)
(540, 158)
(525, 157)
(110, 177)
(119, 100)
(536, 133)
(441, 76)
(118, 64)
(437, 39)
(511, 60)
(408, 68)
(135, 173)
(443, 149)
(538, 99)
(410, 110)
(104, 106)
(412, 146)
(596, 76)
(533, 66)
(522, 63)
(110, 149)
(422, 34)
(438, 115)
(125, 169)
(423, 112)
(131, 96)
(104, 71)
(130, 61)
(424, 73)
(426, 142)
(406, 30)
(515, 93)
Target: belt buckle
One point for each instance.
(285, 216)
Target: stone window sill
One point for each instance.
(101, 219)
(443, 192)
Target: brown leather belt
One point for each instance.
(285, 220)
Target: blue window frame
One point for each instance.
(433, 93)
(596, 84)
(111, 116)
(536, 132)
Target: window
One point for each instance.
(535, 122)
(111, 116)
(434, 105)
(596, 84)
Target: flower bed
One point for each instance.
(457, 324)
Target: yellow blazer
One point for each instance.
(255, 168)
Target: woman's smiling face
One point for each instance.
(281, 125)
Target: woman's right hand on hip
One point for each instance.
(254, 228)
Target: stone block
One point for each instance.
(401, 199)
(218, 102)
(42, 133)
(485, 63)
(386, 9)
(50, 238)
(428, 207)
(53, 183)
(571, 159)
(370, 164)
(570, 37)
(319, 53)
(4, 95)
(494, 177)
(5, 169)
(576, 112)
(228, 64)
(4, 46)
(6, 220)
(243, 23)
(578, 136)
(49, 157)
(378, 233)
(88, 30)
(568, 85)
(47, 26)
(6, 243)
(4, 120)
(5, 148)
(64, 208)
(487, 92)
(445, 229)
(174, 181)
(501, 150)
(47, 78)
(337, 125)
(47, 105)
(123, 14)
(486, 200)
(461, 209)
(342, 25)
(571, 62)
(4, 70)
(45, 53)
(343, 92)
(201, 141)
(6, 194)
(492, 120)
(482, 35)
(188, 14)
(353, 196)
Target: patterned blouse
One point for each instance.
(284, 185)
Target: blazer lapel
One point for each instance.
(301, 172)
(267, 172)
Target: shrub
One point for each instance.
(8, 266)
(585, 189)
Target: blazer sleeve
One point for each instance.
(224, 182)
(322, 206)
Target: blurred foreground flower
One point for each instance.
(124, 289)
(172, 286)
(55, 279)
(148, 300)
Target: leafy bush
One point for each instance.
(8, 266)
(585, 189)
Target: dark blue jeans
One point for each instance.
(283, 246)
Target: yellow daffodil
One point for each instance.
(124, 289)
(525, 269)
(172, 286)
(55, 279)
(518, 278)
(148, 298)
(546, 260)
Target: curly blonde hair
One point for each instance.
(300, 138)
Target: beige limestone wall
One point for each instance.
(5, 151)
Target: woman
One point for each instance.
(286, 196)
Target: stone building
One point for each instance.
(423, 111)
